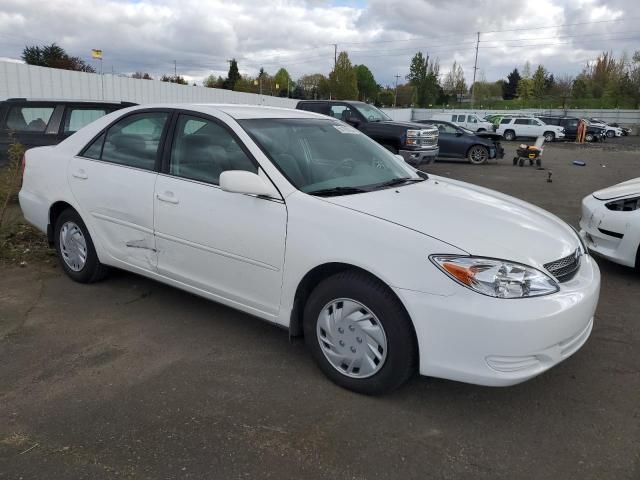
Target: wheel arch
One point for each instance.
(55, 210)
(477, 145)
(313, 278)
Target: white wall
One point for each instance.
(399, 114)
(28, 81)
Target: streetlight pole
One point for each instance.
(395, 99)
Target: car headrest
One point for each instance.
(128, 141)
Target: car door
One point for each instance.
(447, 139)
(521, 127)
(113, 181)
(227, 244)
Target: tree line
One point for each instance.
(606, 82)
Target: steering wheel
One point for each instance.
(345, 163)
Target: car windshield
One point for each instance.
(321, 156)
(372, 113)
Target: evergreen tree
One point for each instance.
(367, 86)
(233, 76)
(510, 87)
(343, 79)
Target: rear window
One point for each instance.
(28, 119)
(77, 118)
(315, 107)
(505, 121)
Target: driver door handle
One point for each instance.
(167, 197)
(81, 174)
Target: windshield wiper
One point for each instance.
(399, 181)
(335, 191)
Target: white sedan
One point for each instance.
(303, 221)
(610, 222)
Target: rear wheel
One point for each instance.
(75, 249)
(478, 154)
(359, 334)
(549, 136)
(509, 135)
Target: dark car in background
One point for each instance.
(416, 143)
(459, 142)
(37, 123)
(570, 124)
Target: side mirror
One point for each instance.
(352, 120)
(240, 181)
(400, 157)
(458, 133)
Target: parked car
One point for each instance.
(523, 126)
(417, 144)
(458, 142)
(469, 121)
(625, 130)
(570, 125)
(610, 130)
(305, 222)
(610, 223)
(35, 123)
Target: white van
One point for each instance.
(466, 120)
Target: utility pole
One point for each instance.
(175, 69)
(395, 100)
(335, 55)
(475, 69)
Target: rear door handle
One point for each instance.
(167, 197)
(81, 174)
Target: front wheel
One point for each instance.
(478, 154)
(589, 137)
(549, 137)
(611, 133)
(75, 249)
(509, 135)
(359, 334)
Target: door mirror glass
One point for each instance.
(241, 181)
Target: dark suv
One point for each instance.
(37, 123)
(416, 143)
(570, 124)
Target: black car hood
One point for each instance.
(489, 135)
(417, 126)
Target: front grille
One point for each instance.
(428, 141)
(565, 268)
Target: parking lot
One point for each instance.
(135, 379)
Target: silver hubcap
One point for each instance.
(73, 246)
(479, 155)
(351, 338)
(548, 137)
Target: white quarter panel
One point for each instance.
(117, 202)
(229, 244)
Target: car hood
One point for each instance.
(489, 135)
(474, 219)
(630, 187)
(418, 126)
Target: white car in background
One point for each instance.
(470, 121)
(610, 222)
(517, 127)
(610, 130)
(303, 221)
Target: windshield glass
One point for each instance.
(372, 113)
(318, 154)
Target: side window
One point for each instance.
(572, 123)
(446, 128)
(29, 119)
(521, 121)
(76, 118)
(454, 118)
(202, 150)
(504, 121)
(134, 141)
(341, 112)
(471, 119)
(315, 107)
(95, 149)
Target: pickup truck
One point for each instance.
(416, 143)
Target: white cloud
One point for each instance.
(148, 35)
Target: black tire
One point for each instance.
(92, 270)
(611, 133)
(478, 154)
(402, 353)
(515, 161)
(509, 135)
(538, 162)
(589, 137)
(549, 137)
(521, 162)
(482, 130)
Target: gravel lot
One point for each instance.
(133, 379)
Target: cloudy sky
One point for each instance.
(148, 35)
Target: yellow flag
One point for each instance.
(97, 54)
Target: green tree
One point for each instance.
(174, 79)
(310, 85)
(54, 56)
(525, 85)
(454, 83)
(283, 80)
(367, 86)
(142, 76)
(539, 83)
(343, 80)
(213, 82)
(510, 87)
(233, 76)
(423, 77)
(386, 97)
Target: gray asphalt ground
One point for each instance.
(132, 379)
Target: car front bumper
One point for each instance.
(482, 340)
(419, 157)
(608, 233)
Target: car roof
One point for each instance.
(238, 111)
(68, 101)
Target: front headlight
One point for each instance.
(494, 277)
(624, 204)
